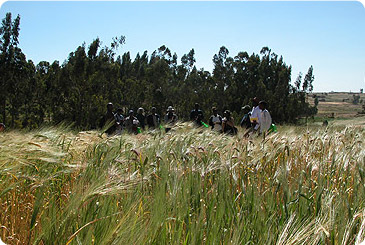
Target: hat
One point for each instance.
(246, 107)
(170, 108)
(263, 102)
(131, 111)
(255, 99)
(140, 110)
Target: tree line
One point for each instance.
(78, 90)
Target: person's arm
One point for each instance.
(211, 121)
(258, 122)
(242, 123)
(259, 116)
(223, 125)
(263, 122)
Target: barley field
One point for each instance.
(301, 185)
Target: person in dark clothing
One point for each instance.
(119, 120)
(131, 123)
(228, 123)
(245, 121)
(153, 120)
(141, 117)
(108, 119)
(170, 118)
(215, 120)
(196, 115)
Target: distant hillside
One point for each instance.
(342, 104)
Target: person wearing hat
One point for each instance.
(215, 120)
(153, 120)
(170, 118)
(108, 118)
(245, 121)
(196, 115)
(255, 114)
(141, 117)
(131, 123)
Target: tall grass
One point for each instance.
(189, 186)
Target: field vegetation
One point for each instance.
(339, 104)
(189, 186)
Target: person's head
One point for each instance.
(227, 114)
(196, 106)
(109, 106)
(214, 110)
(170, 109)
(255, 101)
(262, 105)
(2, 127)
(140, 110)
(120, 111)
(246, 109)
(153, 110)
(131, 112)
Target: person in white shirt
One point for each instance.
(255, 114)
(215, 120)
(265, 118)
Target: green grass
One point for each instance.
(190, 186)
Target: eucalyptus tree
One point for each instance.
(11, 61)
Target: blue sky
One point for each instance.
(328, 35)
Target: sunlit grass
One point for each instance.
(189, 186)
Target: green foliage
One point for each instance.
(78, 90)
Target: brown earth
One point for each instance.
(338, 105)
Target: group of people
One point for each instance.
(135, 123)
(256, 120)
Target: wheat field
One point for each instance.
(189, 186)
